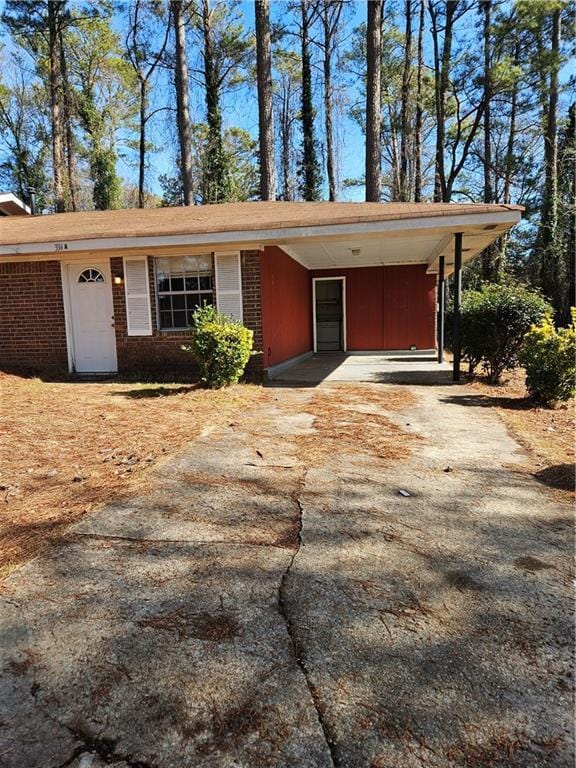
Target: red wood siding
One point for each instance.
(286, 306)
(388, 307)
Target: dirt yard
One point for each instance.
(67, 447)
(546, 433)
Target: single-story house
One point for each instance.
(106, 291)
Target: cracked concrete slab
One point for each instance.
(253, 607)
(425, 639)
(172, 654)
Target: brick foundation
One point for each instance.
(32, 325)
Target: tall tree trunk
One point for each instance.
(58, 166)
(310, 165)
(509, 159)
(286, 145)
(489, 255)
(487, 164)
(509, 164)
(373, 101)
(442, 64)
(331, 11)
(265, 114)
(182, 101)
(405, 139)
(419, 108)
(67, 119)
(547, 235)
(142, 144)
(215, 175)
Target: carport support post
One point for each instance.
(441, 302)
(456, 343)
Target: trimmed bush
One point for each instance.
(549, 356)
(494, 322)
(221, 347)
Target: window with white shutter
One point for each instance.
(137, 290)
(228, 274)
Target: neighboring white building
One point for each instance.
(10, 205)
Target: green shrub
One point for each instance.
(221, 346)
(549, 356)
(495, 319)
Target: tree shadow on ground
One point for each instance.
(489, 401)
(160, 391)
(560, 476)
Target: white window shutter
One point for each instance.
(228, 273)
(137, 289)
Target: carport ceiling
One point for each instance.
(390, 249)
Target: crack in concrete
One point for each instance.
(104, 747)
(298, 655)
(199, 542)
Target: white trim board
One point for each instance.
(314, 329)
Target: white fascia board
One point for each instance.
(453, 223)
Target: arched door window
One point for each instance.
(91, 275)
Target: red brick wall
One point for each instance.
(252, 304)
(33, 331)
(286, 306)
(32, 326)
(158, 352)
(162, 350)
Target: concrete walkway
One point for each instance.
(273, 600)
(403, 367)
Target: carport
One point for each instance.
(374, 283)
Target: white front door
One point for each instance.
(92, 317)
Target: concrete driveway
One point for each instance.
(271, 599)
(401, 367)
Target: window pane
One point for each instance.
(179, 302)
(205, 283)
(163, 283)
(165, 320)
(162, 265)
(180, 319)
(190, 264)
(165, 303)
(193, 300)
(191, 283)
(176, 283)
(204, 263)
(176, 264)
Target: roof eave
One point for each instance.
(254, 238)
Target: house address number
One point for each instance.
(60, 246)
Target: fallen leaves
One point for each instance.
(69, 446)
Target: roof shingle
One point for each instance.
(228, 217)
